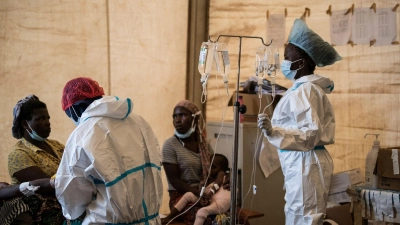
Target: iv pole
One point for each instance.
(236, 111)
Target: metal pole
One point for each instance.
(236, 117)
(235, 146)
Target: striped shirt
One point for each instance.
(189, 162)
(11, 209)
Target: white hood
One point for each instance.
(109, 106)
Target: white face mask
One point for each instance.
(191, 130)
(285, 68)
(185, 135)
(79, 119)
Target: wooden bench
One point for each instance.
(250, 214)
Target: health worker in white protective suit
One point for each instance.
(302, 124)
(111, 163)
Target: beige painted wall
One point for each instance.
(134, 49)
(367, 80)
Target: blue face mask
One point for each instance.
(285, 68)
(34, 135)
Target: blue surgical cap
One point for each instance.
(319, 50)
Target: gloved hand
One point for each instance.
(264, 123)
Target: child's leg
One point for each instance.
(188, 197)
(202, 214)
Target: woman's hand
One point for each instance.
(173, 175)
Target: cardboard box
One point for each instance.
(340, 182)
(252, 103)
(387, 168)
(340, 214)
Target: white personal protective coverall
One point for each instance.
(111, 167)
(303, 122)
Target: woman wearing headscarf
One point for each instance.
(34, 157)
(186, 155)
(302, 125)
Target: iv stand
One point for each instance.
(236, 111)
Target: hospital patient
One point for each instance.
(111, 167)
(34, 156)
(215, 198)
(186, 156)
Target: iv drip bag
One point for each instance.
(206, 59)
(222, 59)
(262, 61)
(222, 63)
(273, 60)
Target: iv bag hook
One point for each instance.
(225, 35)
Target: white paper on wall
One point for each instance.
(276, 27)
(384, 26)
(362, 25)
(340, 27)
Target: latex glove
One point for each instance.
(264, 123)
